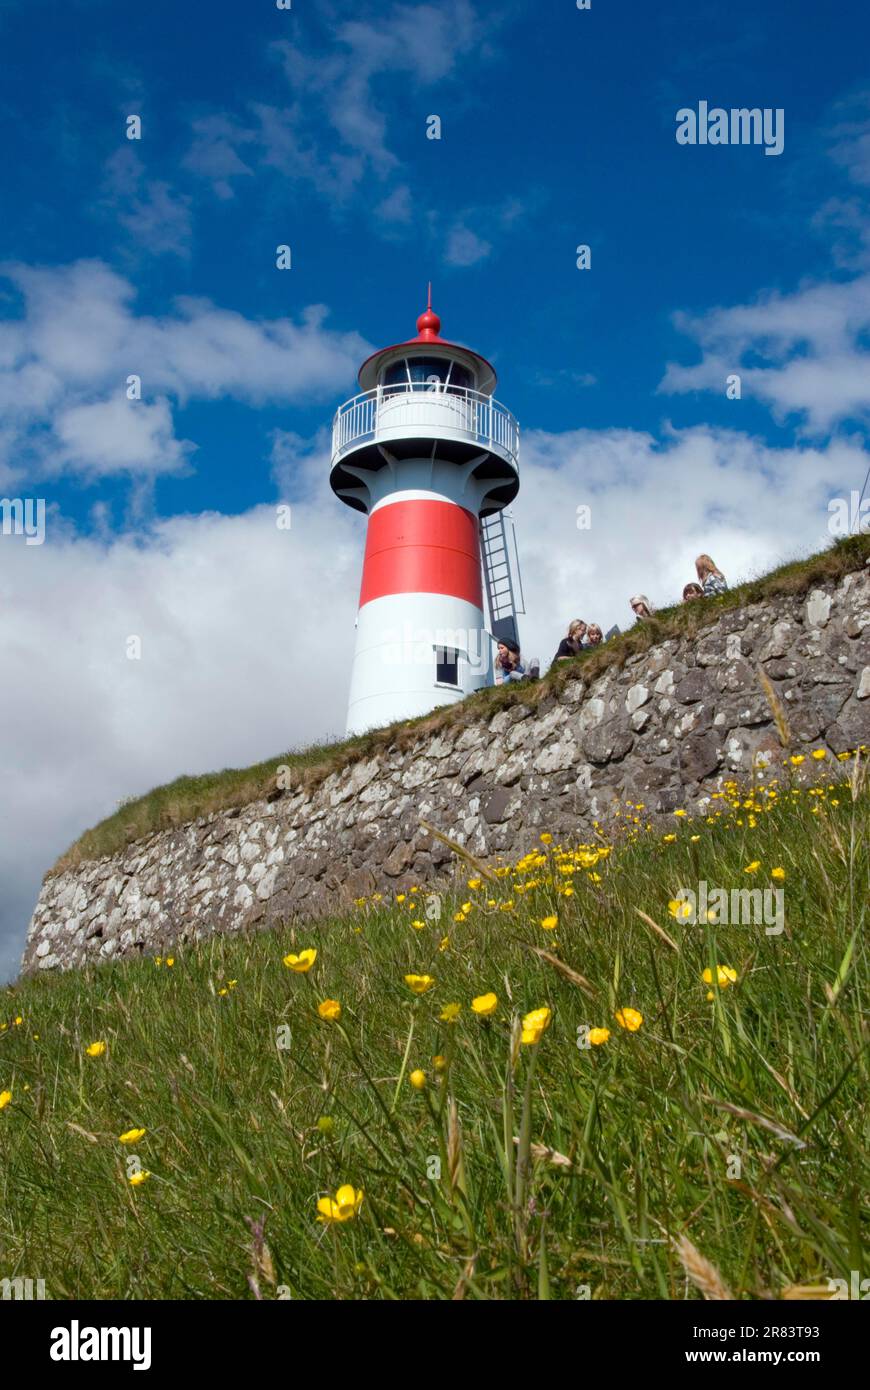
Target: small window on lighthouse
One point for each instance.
(446, 666)
(428, 373)
(396, 377)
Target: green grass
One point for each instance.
(188, 798)
(242, 1137)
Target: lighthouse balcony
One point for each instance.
(407, 421)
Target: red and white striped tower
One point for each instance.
(425, 452)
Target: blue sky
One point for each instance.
(557, 129)
(308, 127)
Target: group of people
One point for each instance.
(710, 582)
(582, 637)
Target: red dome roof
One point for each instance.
(429, 332)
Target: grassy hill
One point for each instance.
(712, 1149)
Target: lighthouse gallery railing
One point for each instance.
(389, 410)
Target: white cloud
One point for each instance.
(118, 435)
(851, 139)
(214, 152)
(397, 207)
(155, 217)
(465, 247)
(422, 41)
(334, 133)
(803, 354)
(64, 366)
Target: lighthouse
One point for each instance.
(430, 457)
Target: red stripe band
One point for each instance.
(425, 547)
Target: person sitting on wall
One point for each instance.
(641, 607)
(594, 635)
(508, 662)
(573, 643)
(713, 581)
(691, 591)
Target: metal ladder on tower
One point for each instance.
(498, 573)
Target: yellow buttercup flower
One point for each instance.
(137, 1179)
(418, 925)
(450, 1013)
(170, 961)
(418, 984)
(725, 976)
(96, 1049)
(546, 838)
(329, 1010)
(474, 883)
(819, 754)
(669, 839)
(629, 1019)
(535, 1024)
(418, 1079)
(753, 867)
(342, 1207)
(598, 1036)
(5, 1099)
(439, 1062)
(131, 1136)
(778, 874)
(796, 759)
(549, 923)
(485, 1004)
(679, 909)
(303, 962)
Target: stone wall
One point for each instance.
(666, 729)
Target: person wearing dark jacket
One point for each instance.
(573, 643)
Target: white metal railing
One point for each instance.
(392, 411)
